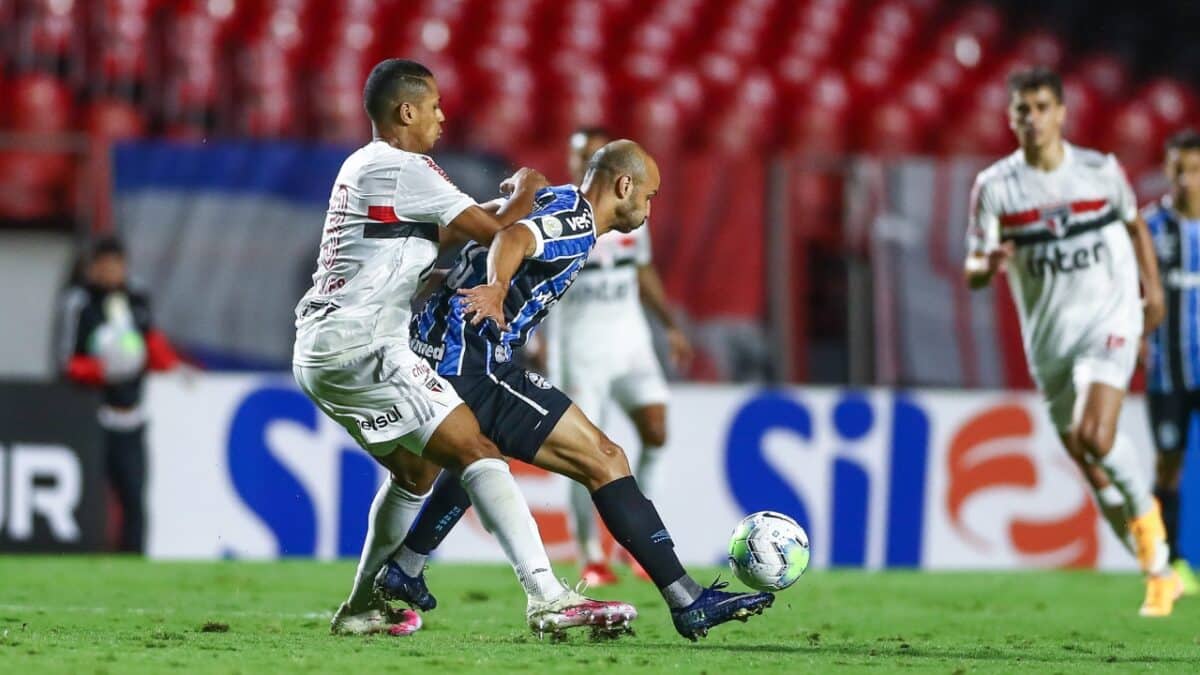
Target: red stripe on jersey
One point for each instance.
(382, 214)
(1022, 218)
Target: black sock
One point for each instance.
(444, 508)
(635, 524)
(1169, 501)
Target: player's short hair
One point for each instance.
(1032, 79)
(106, 246)
(1186, 139)
(394, 80)
(619, 158)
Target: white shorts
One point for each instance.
(633, 380)
(1105, 358)
(385, 397)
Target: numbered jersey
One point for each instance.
(380, 239)
(1074, 274)
(564, 229)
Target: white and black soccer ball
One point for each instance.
(768, 551)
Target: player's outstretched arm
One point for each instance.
(481, 223)
(654, 297)
(509, 248)
(1153, 302)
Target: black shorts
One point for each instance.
(1171, 418)
(516, 408)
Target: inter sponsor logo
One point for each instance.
(1055, 260)
(381, 421)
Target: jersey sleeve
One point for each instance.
(425, 194)
(983, 227)
(556, 239)
(1123, 199)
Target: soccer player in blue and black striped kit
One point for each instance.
(490, 302)
(1173, 350)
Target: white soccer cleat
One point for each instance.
(374, 621)
(608, 619)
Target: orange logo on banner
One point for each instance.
(976, 465)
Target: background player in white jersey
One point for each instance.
(599, 348)
(1063, 222)
(352, 357)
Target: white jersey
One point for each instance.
(605, 295)
(1074, 272)
(380, 239)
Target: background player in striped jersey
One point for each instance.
(1063, 222)
(599, 348)
(491, 302)
(352, 356)
(1173, 350)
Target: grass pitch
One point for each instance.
(114, 615)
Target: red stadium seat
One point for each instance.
(891, 129)
(1172, 101)
(1107, 75)
(1135, 134)
(38, 102)
(114, 119)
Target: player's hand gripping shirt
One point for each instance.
(1074, 270)
(1174, 354)
(380, 239)
(565, 231)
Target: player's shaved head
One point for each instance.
(392, 82)
(624, 177)
(621, 158)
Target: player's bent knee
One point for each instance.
(1093, 437)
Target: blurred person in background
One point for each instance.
(1172, 353)
(1063, 222)
(599, 348)
(109, 342)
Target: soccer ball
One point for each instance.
(768, 551)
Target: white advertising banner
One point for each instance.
(244, 466)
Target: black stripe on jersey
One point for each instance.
(427, 231)
(1043, 236)
(595, 266)
(1175, 312)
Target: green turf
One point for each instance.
(111, 615)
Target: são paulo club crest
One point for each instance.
(1056, 217)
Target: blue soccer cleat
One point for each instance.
(393, 584)
(714, 607)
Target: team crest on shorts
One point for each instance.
(537, 380)
(500, 354)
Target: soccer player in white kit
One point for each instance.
(1064, 223)
(352, 354)
(599, 348)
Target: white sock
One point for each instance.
(586, 534)
(410, 562)
(392, 513)
(1113, 508)
(504, 513)
(647, 469)
(1123, 468)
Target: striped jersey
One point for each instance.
(1174, 354)
(380, 238)
(564, 229)
(1074, 270)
